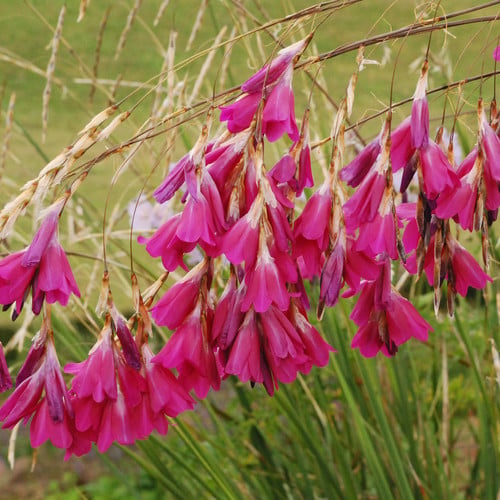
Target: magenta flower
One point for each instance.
(42, 266)
(364, 204)
(271, 347)
(385, 318)
(496, 53)
(279, 110)
(401, 145)
(241, 241)
(266, 284)
(273, 84)
(166, 395)
(41, 393)
(269, 74)
(189, 351)
(239, 114)
(95, 377)
(311, 240)
(173, 308)
(166, 244)
(356, 171)
(437, 173)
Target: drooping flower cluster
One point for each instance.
(242, 310)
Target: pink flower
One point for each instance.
(166, 244)
(173, 308)
(42, 266)
(279, 111)
(273, 83)
(401, 145)
(358, 169)
(95, 377)
(166, 395)
(245, 359)
(239, 114)
(266, 284)
(240, 242)
(437, 173)
(496, 54)
(269, 74)
(41, 394)
(228, 315)
(378, 237)
(364, 204)
(189, 351)
(386, 319)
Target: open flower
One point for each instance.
(42, 266)
(41, 393)
(385, 318)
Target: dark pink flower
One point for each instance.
(386, 319)
(43, 267)
(266, 284)
(166, 395)
(241, 241)
(239, 114)
(269, 74)
(437, 173)
(245, 359)
(364, 204)
(401, 145)
(41, 394)
(166, 244)
(228, 315)
(95, 377)
(189, 351)
(356, 171)
(180, 299)
(279, 111)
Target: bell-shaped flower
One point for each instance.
(42, 266)
(385, 318)
(41, 394)
(189, 351)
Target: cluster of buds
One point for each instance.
(242, 309)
